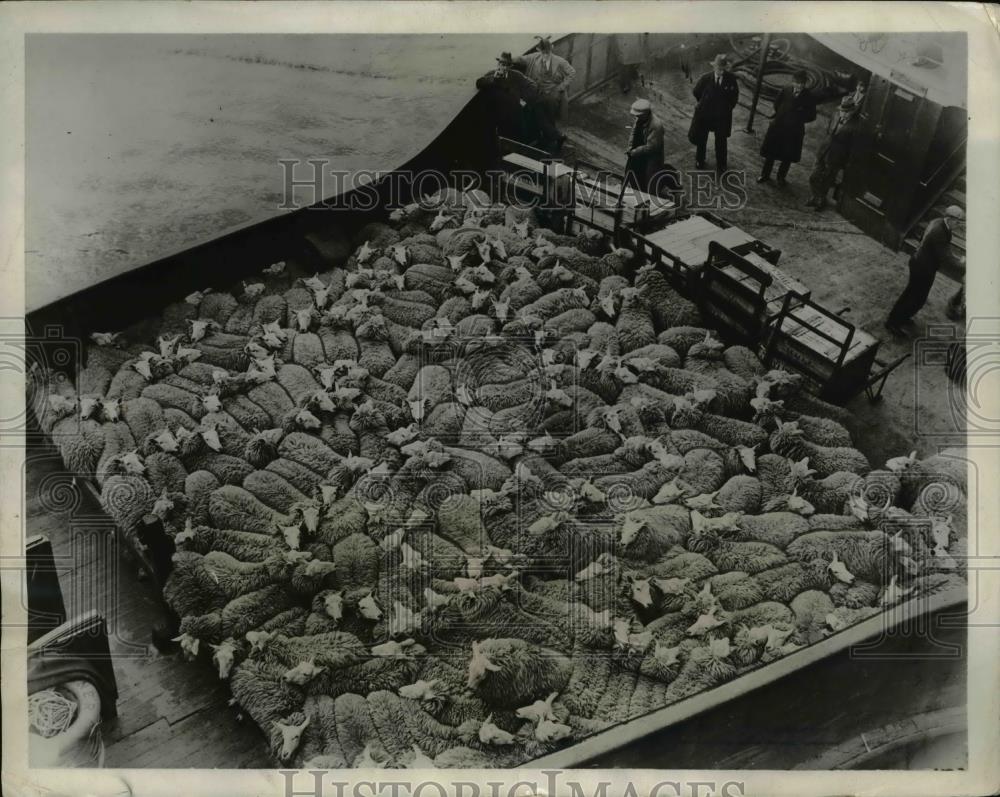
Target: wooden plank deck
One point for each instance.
(171, 713)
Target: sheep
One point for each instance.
(508, 673)
(235, 618)
(646, 534)
(668, 307)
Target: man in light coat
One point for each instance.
(553, 76)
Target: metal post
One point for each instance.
(765, 45)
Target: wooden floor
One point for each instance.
(170, 713)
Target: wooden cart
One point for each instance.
(837, 358)
(602, 203)
(744, 292)
(680, 248)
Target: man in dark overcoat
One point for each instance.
(514, 96)
(834, 152)
(794, 108)
(717, 93)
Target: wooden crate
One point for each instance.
(597, 203)
(742, 294)
(833, 354)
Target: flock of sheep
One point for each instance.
(480, 490)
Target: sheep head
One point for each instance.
(403, 620)
(189, 646)
(111, 410)
(588, 491)
(539, 710)
(420, 690)
(941, 529)
(369, 608)
(198, 328)
(900, 464)
(632, 525)
(394, 648)
(501, 309)
(364, 253)
(333, 605)
(89, 406)
(485, 251)
(666, 656)
(302, 673)
(490, 734)
(224, 656)
(478, 298)
(292, 536)
(112, 338)
(640, 592)
(441, 220)
(479, 666)
(258, 640)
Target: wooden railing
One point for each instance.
(931, 188)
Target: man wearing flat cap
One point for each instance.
(646, 168)
(834, 152)
(645, 147)
(553, 76)
(514, 96)
(717, 93)
(933, 252)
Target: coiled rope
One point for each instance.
(50, 712)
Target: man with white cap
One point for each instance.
(717, 93)
(645, 148)
(933, 251)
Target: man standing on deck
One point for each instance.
(933, 251)
(833, 153)
(514, 94)
(717, 93)
(794, 108)
(553, 76)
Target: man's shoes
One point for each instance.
(895, 329)
(811, 202)
(763, 179)
(782, 182)
(820, 205)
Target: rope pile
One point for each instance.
(50, 712)
(781, 64)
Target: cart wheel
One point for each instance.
(936, 738)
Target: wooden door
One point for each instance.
(880, 181)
